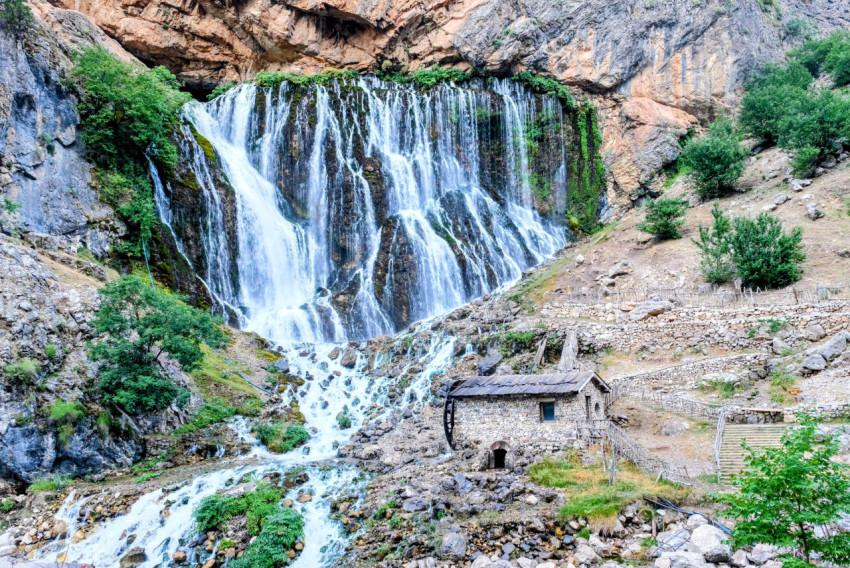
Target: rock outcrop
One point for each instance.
(659, 64)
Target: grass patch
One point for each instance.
(55, 483)
(215, 379)
(22, 372)
(588, 493)
(145, 477)
(214, 410)
(721, 387)
(780, 381)
(280, 437)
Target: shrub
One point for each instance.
(828, 55)
(213, 512)
(273, 79)
(22, 372)
(715, 250)
(344, 420)
(280, 437)
(65, 415)
(545, 86)
(664, 218)
(16, 17)
(212, 411)
(138, 326)
(773, 90)
(280, 531)
(427, 78)
(716, 160)
(220, 90)
(50, 351)
(765, 256)
(804, 162)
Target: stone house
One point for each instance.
(499, 415)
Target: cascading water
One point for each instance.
(317, 214)
(360, 207)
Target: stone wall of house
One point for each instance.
(482, 421)
(684, 328)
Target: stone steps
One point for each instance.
(732, 455)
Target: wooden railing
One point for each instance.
(718, 440)
(593, 430)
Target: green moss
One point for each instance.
(273, 79)
(426, 78)
(205, 145)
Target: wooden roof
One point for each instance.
(507, 385)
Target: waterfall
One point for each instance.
(361, 206)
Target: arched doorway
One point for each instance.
(500, 454)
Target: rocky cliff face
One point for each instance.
(662, 56)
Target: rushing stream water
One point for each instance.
(322, 214)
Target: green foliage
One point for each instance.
(715, 250)
(212, 411)
(716, 160)
(126, 113)
(220, 90)
(828, 55)
(276, 529)
(583, 533)
(55, 483)
(344, 420)
(765, 256)
(279, 534)
(281, 437)
(145, 477)
(22, 372)
(798, 29)
(8, 505)
(546, 86)
(773, 89)
(16, 17)
(50, 350)
(784, 493)
(664, 218)
(63, 411)
(804, 162)
(427, 78)
(139, 326)
(587, 174)
(273, 79)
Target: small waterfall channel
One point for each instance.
(316, 215)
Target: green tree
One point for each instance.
(126, 114)
(664, 218)
(716, 160)
(16, 17)
(139, 327)
(764, 255)
(786, 492)
(773, 90)
(715, 250)
(818, 120)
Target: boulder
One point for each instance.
(695, 521)
(680, 559)
(349, 359)
(620, 269)
(812, 212)
(707, 540)
(453, 544)
(834, 347)
(134, 557)
(488, 365)
(814, 363)
(815, 332)
(673, 428)
(650, 308)
(780, 199)
(585, 555)
(740, 559)
(414, 504)
(279, 366)
(483, 561)
(762, 553)
(779, 347)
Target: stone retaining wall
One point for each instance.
(674, 378)
(683, 328)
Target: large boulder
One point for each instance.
(680, 559)
(763, 553)
(584, 554)
(815, 332)
(814, 363)
(488, 365)
(650, 308)
(834, 347)
(708, 541)
(453, 544)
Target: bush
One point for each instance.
(22, 372)
(715, 250)
(716, 160)
(65, 415)
(344, 420)
(280, 437)
(773, 90)
(765, 256)
(828, 55)
(664, 218)
(427, 78)
(16, 17)
(139, 326)
(805, 161)
(215, 511)
(280, 531)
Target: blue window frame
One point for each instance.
(547, 411)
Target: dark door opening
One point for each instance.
(499, 458)
(587, 406)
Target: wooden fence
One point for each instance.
(595, 430)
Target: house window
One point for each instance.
(547, 411)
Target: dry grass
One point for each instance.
(588, 493)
